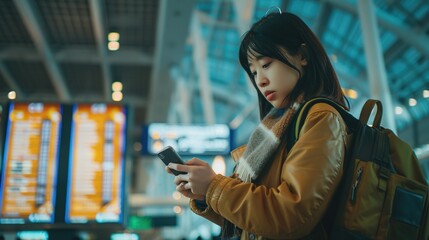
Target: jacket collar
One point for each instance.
(236, 153)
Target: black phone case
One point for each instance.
(168, 155)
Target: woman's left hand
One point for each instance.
(198, 178)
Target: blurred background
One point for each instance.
(171, 67)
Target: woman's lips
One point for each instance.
(270, 95)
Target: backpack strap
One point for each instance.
(333, 213)
(352, 123)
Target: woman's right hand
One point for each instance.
(180, 187)
(187, 192)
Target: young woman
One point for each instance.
(276, 193)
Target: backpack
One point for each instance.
(383, 193)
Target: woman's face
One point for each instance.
(274, 79)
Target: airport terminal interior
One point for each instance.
(166, 72)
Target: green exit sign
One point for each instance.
(148, 222)
(139, 223)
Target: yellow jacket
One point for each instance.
(289, 201)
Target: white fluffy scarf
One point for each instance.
(265, 140)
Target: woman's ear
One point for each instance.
(304, 54)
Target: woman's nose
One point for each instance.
(262, 80)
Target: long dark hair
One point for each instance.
(287, 31)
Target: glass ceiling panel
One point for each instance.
(222, 54)
(382, 4)
(262, 7)
(410, 5)
(406, 72)
(331, 40)
(221, 71)
(391, 8)
(396, 68)
(387, 39)
(205, 6)
(308, 10)
(227, 12)
(422, 11)
(332, 44)
(224, 44)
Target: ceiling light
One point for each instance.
(177, 195)
(117, 86)
(412, 102)
(11, 95)
(177, 209)
(426, 93)
(399, 110)
(352, 94)
(113, 37)
(117, 96)
(113, 46)
(219, 165)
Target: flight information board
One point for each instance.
(188, 139)
(30, 163)
(96, 164)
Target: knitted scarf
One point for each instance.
(265, 140)
(261, 146)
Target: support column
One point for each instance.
(375, 63)
(200, 60)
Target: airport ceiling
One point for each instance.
(178, 59)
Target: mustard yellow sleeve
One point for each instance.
(309, 177)
(207, 213)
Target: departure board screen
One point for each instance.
(30, 163)
(188, 139)
(96, 164)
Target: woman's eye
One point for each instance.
(266, 65)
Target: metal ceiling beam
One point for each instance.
(376, 68)
(394, 51)
(11, 81)
(411, 37)
(184, 101)
(359, 84)
(131, 56)
(245, 11)
(322, 19)
(168, 52)
(100, 38)
(207, 19)
(200, 59)
(284, 4)
(126, 55)
(33, 23)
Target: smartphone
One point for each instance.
(168, 155)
